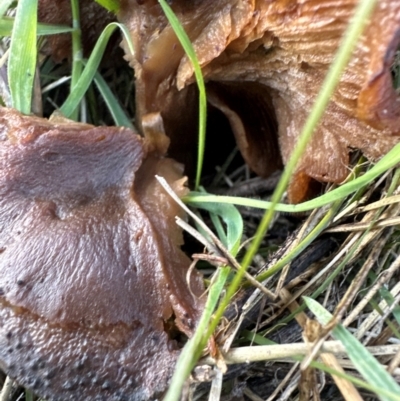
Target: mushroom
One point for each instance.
(264, 62)
(92, 272)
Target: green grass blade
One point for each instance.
(23, 53)
(28, 395)
(191, 54)
(4, 6)
(372, 371)
(7, 24)
(388, 297)
(221, 234)
(110, 5)
(387, 162)
(49, 29)
(77, 54)
(193, 347)
(354, 380)
(118, 114)
(256, 338)
(302, 245)
(233, 220)
(79, 90)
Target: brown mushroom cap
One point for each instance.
(90, 261)
(284, 47)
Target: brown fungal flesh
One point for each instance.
(93, 19)
(90, 261)
(285, 48)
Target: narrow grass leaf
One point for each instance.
(256, 338)
(193, 347)
(302, 245)
(7, 24)
(118, 114)
(219, 228)
(387, 162)
(191, 54)
(79, 90)
(233, 220)
(23, 53)
(4, 6)
(28, 395)
(110, 5)
(368, 366)
(388, 297)
(354, 380)
(77, 54)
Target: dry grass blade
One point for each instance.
(381, 223)
(216, 386)
(347, 389)
(369, 367)
(394, 363)
(217, 247)
(5, 393)
(286, 351)
(382, 280)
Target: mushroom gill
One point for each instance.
(275, 54)
(90, 260)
